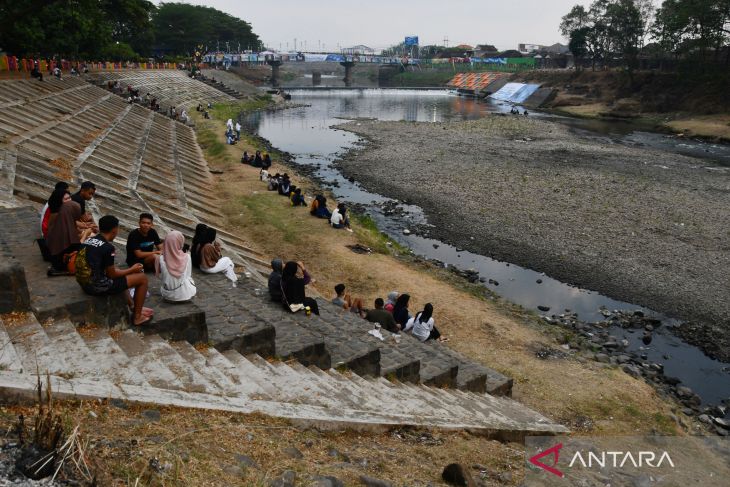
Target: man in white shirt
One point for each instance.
(339, 218)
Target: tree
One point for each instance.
(131, 23)
(578, 44)
(180, 27)
(576, 19)
(625, 29)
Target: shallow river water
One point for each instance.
(308, 135)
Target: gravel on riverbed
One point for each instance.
(644, 226)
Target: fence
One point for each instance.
(14, 64)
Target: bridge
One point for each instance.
(275, 60)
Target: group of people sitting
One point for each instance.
(281, 183)
(233, 133)
(74, 243)
(262, 161)
(287, 285)
(516, 111)
(393, 314)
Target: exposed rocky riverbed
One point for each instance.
(640, 225)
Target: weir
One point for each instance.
(515, 92)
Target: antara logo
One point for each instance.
(610, 459)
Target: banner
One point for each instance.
(411, 41)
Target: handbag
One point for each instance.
(70, 261)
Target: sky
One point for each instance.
(383, 23)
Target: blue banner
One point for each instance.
(411, 41)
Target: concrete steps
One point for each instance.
(90, 363)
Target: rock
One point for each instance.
(672, 381)
(233, 470)
(721, 431)
(543, 308)
(457, 474)
(611, 345)
(292, 452)
(246, 461)
(286, 479)
(373, 482)
(505, 477)
(622, 359)
(539, 281)
(151, 415)
(337, 454)
(406, 231)
(684, 392)
(326, 481)
(632, 370)
(118, 403)
(703, 418)
(602, 357)
(723, 423)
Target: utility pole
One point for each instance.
(295, 43)
(446, 41)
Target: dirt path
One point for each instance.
(587, 396)
(642, 226)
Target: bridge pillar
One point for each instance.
(348, 65)
(316, 78)
(274, 63)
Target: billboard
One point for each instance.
(411, 41)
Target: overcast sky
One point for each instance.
(382, 23)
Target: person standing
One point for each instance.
(238, 130)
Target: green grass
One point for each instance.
(224, 111)
(261, 211)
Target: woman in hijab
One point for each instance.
(63, 237)
(422, 325)
(200, 229)
(293, 280)
(390, 302)
(400, 310)
(211, 260)
(174, 268)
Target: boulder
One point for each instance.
(457, 474)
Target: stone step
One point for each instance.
(202, 366)
(101, 344)
(245, 385)
(143, 359)
(187, 374)
(9, 359)
(258, 376)
(34, 348)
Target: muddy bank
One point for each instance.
(639, 225)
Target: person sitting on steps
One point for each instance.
(339, 299)
(380, 315)
(98, 276)
(294, 278)
(143, 243)
(422, 325)
(58, 197)
(211, 259)
(277, 266)
(174, 268)
(400, 310)
(85, 193)
(390, 302)
(63, 237)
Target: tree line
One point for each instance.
(117, 30)
(611, 31)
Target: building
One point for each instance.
(358, 50)
(485, 50)
(556, 48)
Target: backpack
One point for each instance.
(83, 269)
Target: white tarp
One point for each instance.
(515, 92)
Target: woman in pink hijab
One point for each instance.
(174, 267)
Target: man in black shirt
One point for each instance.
(84, 194)
(143, 243)
(380, 315)
(98, 276)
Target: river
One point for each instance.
(307, 134)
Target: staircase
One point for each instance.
(93, 363)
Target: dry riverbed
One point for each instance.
(643, 226)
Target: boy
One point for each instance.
(143, 243)
(339, 300)
(98, 276)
